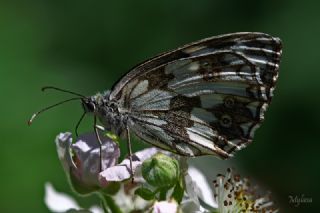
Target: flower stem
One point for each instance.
(109, 204)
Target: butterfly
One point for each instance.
(204, 98)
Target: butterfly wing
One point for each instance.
(207, 97)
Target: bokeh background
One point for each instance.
(86, 46)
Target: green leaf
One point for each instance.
(145, 193)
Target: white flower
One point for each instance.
(81, 160)
(235, 195)
(60, 202)
(165, 207)
(198, 193)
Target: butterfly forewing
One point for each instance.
(207, 97)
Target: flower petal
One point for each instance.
(165, 207)
(57, 201)
(145, 154)
(87, 149)
(192, 192)
(115, 173)
(122, 171)
(63, 142)
(203, 188)
(95, 209)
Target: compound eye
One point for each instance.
(91, 106)
(88, 106)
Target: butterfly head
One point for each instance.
(89, 105)
(93, 103)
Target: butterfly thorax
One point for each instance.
(107, 112)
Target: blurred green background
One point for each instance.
(86, 46)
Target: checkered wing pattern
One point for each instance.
(205, 98)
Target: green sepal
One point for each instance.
(112, 188)
(145, 193)
(79, 187)
(113, 137)
(163, 193)
(178, 191)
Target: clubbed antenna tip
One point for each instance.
(31, 119)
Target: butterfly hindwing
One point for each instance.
(207, 97)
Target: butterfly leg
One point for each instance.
(99, 140)
(78, 124)
(130, 152)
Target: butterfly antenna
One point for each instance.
(49, 107)
(62, 90)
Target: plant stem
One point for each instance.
(108, 203)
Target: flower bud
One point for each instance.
(161, 171)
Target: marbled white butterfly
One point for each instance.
(205, 98)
